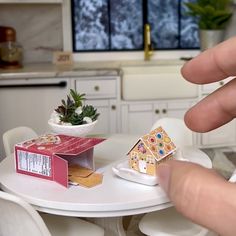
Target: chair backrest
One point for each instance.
(16, 135)
(19, 218)
(177, 130)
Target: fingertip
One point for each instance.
(191, 121)
(185, 71)
(163, 174)
(187, 120)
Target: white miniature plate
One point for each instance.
(191, 154)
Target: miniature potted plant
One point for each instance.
(72, 117)
(212, 16)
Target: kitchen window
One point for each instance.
(117, 25)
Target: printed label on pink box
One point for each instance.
(48, 156)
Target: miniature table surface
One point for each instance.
(114, 197)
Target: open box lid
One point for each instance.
(60, 144)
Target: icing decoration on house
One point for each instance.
(150, 150)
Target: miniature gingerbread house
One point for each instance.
(150, 150)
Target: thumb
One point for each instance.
(200, 194)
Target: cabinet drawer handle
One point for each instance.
(221, 83)
(113, 107)
(164, 111)
(157, 111)
(96, 88)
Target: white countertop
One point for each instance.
(108, 68)
(44, 70)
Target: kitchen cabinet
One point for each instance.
(107, 120)
(139, 116)
(226, 134)
(209, 88)
(104, 94)
(30, 102)
(223, 136)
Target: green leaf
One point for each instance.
(211, 14)
(90, 111)
(76, 119)
(78, 98)
(222, 19)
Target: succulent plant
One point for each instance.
(90, 111)
(74, 112)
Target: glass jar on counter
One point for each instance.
(10, 51)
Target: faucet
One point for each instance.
(148, 51)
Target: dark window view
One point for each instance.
(163, 17)
(90, 25)
(126, 24)
(117, 25)
(189, 37)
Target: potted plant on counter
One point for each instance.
(212, 16)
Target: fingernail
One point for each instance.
(163, 173)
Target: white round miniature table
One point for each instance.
(114, 198)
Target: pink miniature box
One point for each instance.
(48, 156)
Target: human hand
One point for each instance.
(220, 107)
(199, 193)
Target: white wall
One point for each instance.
(38, 28)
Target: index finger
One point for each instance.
(213, 64)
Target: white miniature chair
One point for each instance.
(19, 218)
(16, 135)
(15, 209)
(168, 222)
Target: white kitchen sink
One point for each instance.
(156, 82)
